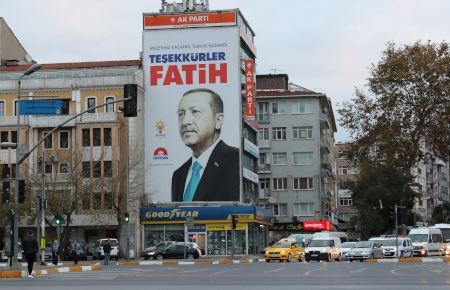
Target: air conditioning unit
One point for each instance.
(53, 159)
(64, 169)
(40, 159)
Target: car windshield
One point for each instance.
(391, 242)
(319, 243)
(113, 243)
(363, 245)
(418, 238)
(348, 245)
(281, 245)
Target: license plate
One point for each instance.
(314, 255)
(389, 254)
(273, 256)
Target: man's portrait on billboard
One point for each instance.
(211, 173)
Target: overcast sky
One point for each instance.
(323, 45)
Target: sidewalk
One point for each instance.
(48, 268)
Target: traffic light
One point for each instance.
(234, 221)
(130, 107)
(57, 219)
(6, 191)
(21, 191)
(126, 217)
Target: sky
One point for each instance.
(322, 45)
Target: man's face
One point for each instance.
(196, 123)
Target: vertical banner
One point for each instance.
(435, 186)
(249, 90)
(183, 68)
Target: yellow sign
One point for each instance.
(42, 243)
(222, 227)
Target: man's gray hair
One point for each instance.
(216, 101)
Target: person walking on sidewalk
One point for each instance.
(76, 250)
(30, 248)
(55, 252)
(107, 250)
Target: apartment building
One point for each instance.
(296, 164)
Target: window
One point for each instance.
(107, 139)
(345, 201)
(303, 183)
(109, 107)
(342, 154)
(279, 158)
(86, 169)
(107, 200)
(48, 142)
(279, 183)
(264, 183)
(64, 140)
(4, 136)
(86, 138)
(279, 133)
(97, 169)
(97, 200)
(280, 209)
(15, 108)
(263, 134)
(14, 136)
(347, 216)
(303, 132)
(65, 107)
(303, 158)
(48, 168)
(107, 168)
(263, 159)
(343, 170)
(304, 209)
(2, 108)
(96, 136)
(301, 107)
(278, 108)
(263, 111)
(90, 103)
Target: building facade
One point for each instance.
(296, 163)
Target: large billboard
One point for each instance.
(193, 143)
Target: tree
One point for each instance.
(404, 111)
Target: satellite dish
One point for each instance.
(28, 58)
(272, 200)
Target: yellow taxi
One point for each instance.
(285, 251)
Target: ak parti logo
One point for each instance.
(160, 154)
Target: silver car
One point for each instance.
(346, 247)
(365, 250)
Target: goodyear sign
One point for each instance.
(205, 214)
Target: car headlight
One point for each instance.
(324, 250)
(282, 252)
(306, 250)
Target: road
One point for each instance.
(274, 275)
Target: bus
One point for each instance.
(445, 230)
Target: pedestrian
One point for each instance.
(76, 250)
(30, 248)
(107, 250)
(55, 252)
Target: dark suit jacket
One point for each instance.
(220, 179)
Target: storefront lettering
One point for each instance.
(175, 213)
(286, 227)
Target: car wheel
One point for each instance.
(302, 258)
(267, 260)
(338, 258)
(190, 256)
(98, 256)
(159, 257)
(351, 260)
(289, 258)
(145, 258)
(281, 260)
(307, 260)
(329, 258)
(372, 256)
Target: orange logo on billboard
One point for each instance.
(249, 89)
(193, 20)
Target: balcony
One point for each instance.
(325, 169)
(324, 148)
(263, 118)
(325, 196)
(324, 121)
(50, 121)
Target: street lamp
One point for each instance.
(29, 71)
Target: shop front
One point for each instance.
(208, 226)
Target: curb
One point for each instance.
(23, 274)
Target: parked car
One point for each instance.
(161, 246)
(404, 247)
(174, 251)
(67, 250)
(192, 245)
(324, 248)
(364, 250)
(100, 254)
(20, 254)
(285, 251)
(47, 254)
(346, 247)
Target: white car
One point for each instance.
(100, 254)
(364, 250)
(346, 247)
(404, 248)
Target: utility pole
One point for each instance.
(396, 229)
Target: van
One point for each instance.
(324, 248)
(426, 242)
(404, 247)
(100, 254)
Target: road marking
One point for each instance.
(307, 273)
(233, 270)
(276, 270)
(360, 270)
(193, 271)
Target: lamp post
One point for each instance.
(29, 71)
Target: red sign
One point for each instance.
(317, 226)
(189, 20)
(249, 89)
